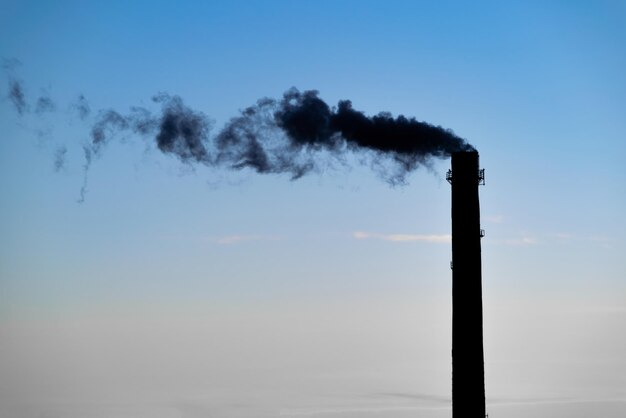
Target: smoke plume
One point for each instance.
(294, 135)
(59, 158)
(289, 135)
(15, 92)
(81, 107)
(44, 104)
(16, 96)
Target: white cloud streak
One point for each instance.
(432, 238)
(595, 239)
(236, 239)
(495, 219)
(524, 240)
(554, 238)
(353, 410)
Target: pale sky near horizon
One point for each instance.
(181, 291)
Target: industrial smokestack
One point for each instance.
(468, 380)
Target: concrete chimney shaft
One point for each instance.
(468, 380)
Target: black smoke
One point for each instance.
(294, 135)
(182, 131)
(405, 142)
(44, 104)
(16, 96)
(59, 158)
(15, 93)
(177, 129)
(81, 107)
(86, 165)
(288, 136)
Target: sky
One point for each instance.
(147, 286)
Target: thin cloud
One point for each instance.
(569, 237)
(558, 238)
(432, 238)
(358, 409)
(235, 239)
(494, 219)
(524, 240)
(549, 401)
(416, 397)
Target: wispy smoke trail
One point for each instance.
(182, 131)
(86, 166)
(59, 158)
(108, 123)
(16, 96)
(44, 104)
(293, 135)
(81, 107)
(15, 92)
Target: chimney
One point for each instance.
(468, 380)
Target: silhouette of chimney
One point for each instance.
(468, 371)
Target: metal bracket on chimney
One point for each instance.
(481, 176)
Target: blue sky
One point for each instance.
(182, 291)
